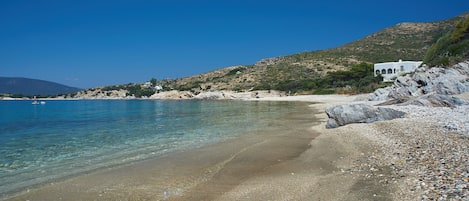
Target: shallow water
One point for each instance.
(39, 143)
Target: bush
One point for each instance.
(461, 30)
(451, 48)
(358, 79)
(138, 91)
(235, 71)
(322, 91)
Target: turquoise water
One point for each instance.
(39, 143)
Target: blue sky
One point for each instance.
(89, 43)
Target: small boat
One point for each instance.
(36, 102)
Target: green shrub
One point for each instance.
(461, 30)
(322, 91)
(359, 78)
(235, 71)
(451, 48)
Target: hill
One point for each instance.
(32, 87)
(452, 47)
(407, 41)
(325, 71)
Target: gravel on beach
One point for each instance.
(425, 154)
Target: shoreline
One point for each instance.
(314, 166)
(375, 161)
(185, 169)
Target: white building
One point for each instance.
(147, 84)
(158, 88)
(390, 70)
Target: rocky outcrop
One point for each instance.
(429, 100)
(173, 95)
(215, 95)
(359, 113)
(230, 95)
(444, 81)
(101, 94)
(433, 87)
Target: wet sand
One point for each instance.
(297, 159)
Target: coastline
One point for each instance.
(325, 171)
(313, 167)
(174, 174)
(352, 162)
(422, 156)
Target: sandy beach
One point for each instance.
(302, 161)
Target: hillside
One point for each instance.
(311, 72)
(407, 41)
(452, 47)
(31, 87)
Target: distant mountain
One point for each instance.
(31, 87)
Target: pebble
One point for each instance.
(427, 153)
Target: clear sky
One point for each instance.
(89, 43)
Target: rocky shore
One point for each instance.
(215, 95)
(425, 153)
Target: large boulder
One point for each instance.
(359, 113)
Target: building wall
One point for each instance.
(390, 70)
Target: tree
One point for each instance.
(153, 81)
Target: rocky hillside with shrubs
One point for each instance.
(406, 41)
(345, 69)
(446, 71)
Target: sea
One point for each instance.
(64, 138)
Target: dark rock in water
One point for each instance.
(359, 113)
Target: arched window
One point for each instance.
(383, 71)
(389, 71)
(394, 71)
(377, 72)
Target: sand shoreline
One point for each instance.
(353, 162)
(170, 177)
(304, 162)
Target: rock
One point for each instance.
(214, 95)
(429, 100)
(395, 101)
(172, 95)
(230, 95)
(445, 81)
(435, 100)
(359, 113)
(380, 94)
